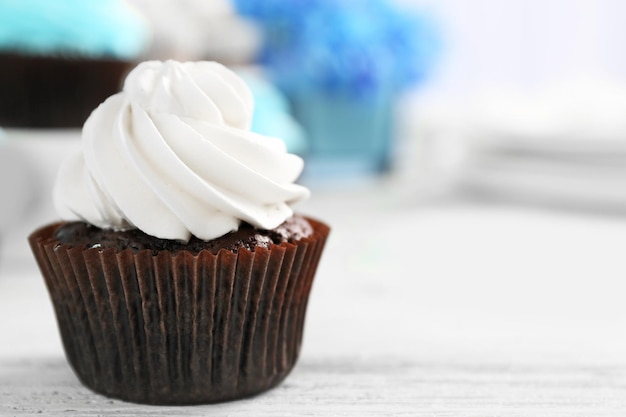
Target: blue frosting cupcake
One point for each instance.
(272, 114)
(61, 58)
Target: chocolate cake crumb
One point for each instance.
(247, 236)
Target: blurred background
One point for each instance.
(519, 102)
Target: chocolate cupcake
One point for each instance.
(46, 92)
(59, 60)
(180, 274)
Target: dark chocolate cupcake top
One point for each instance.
(247, 237)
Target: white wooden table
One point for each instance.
(455, 309)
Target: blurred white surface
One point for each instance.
(33, 158)
(561, 145)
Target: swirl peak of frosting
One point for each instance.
(173, 156)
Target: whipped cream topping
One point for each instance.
(173, 156)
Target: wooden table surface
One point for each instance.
(449, 309)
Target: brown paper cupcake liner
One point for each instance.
(180, 328)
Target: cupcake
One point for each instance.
(179, 273)
(59, 60)
(272, 115)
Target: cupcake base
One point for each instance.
(178, 328)
(55, 92)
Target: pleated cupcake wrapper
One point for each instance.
(180, 328)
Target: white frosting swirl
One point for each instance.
(172, 155)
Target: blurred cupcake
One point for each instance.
(272, 114)
(61, 59)
(180, 274)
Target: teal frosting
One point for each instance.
(272, 115)
(97, 28)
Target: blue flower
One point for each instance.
(347, 46)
